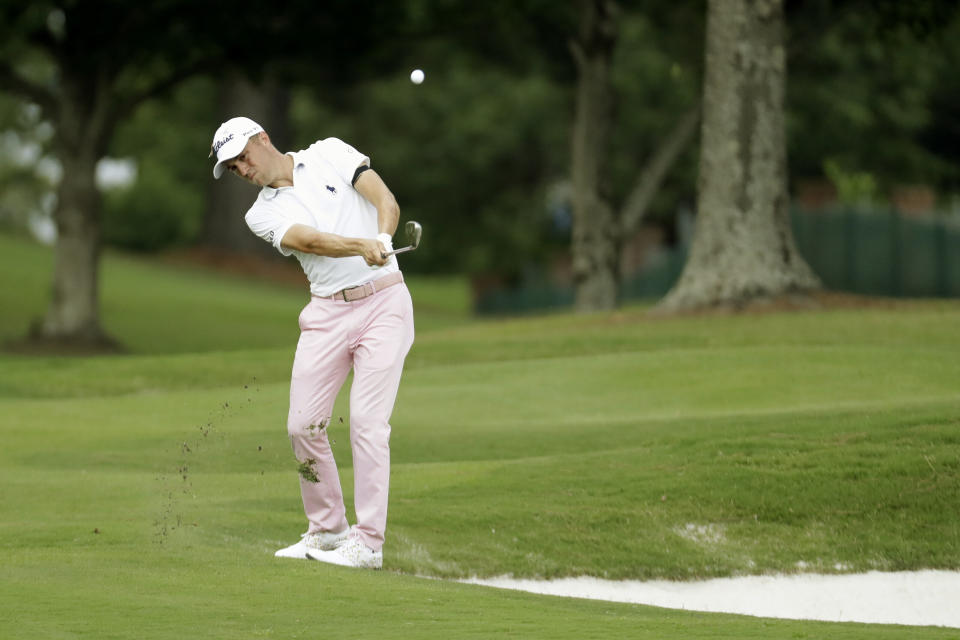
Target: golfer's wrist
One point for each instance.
(386, 240)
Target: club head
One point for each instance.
(413, 231)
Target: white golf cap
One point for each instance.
(230, 139)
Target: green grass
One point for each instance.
(143, 494)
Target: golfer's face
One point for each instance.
(248, 164)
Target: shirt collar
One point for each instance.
(299, 160)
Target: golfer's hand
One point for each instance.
(373, 253)
(386, 242)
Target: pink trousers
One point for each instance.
(373, 336)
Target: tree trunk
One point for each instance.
(596, 237)
(230, 198)
(743, 245)
(83, 128)
(73, 312)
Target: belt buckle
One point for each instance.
(362, 289)
(366, 289)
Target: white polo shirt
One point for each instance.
(322, 197)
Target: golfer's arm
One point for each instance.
(372, 187)
(306, 239)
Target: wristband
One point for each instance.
(386, 240)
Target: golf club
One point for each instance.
(413, 231)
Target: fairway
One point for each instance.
(144, 494)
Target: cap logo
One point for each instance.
(220, 143)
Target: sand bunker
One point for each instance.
(924, 598)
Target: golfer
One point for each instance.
(325, 206)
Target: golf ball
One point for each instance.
(416, 76)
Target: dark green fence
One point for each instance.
(881, 253)
(866, 252)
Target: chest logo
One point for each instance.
(331, 190)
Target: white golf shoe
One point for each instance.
(319, 541)
(351, 554)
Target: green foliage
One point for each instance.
(468, 153)
(169, 139)
(860, 90)
(854, 188)
(657, 78)
(474, 151)
(26, 184)
(155, 213)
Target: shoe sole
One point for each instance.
(349, 566)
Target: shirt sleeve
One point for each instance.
(341, 156)
(268, 223)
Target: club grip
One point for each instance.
(396, 251)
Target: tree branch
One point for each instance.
(653, 173)
(13, 82)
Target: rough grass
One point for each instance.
(144, 494)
